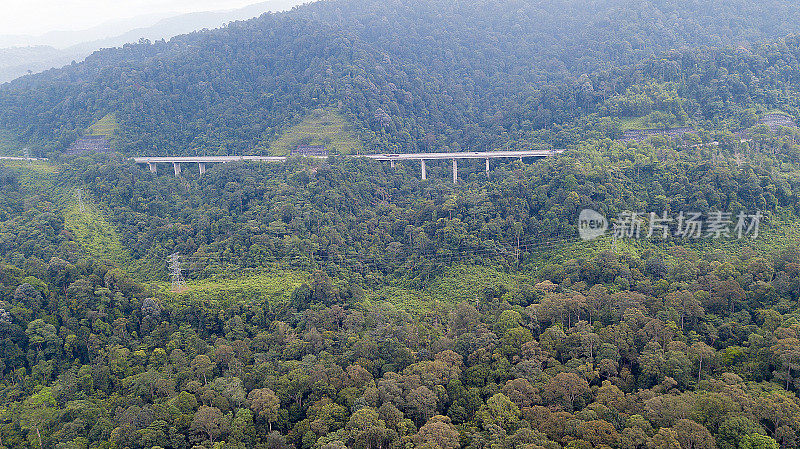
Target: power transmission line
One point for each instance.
(175, 267)
(359, 261)
(80, 200)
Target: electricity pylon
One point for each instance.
(175, 269)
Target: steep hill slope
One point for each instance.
(412, 75)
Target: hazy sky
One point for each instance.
(34, 17)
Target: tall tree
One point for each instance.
(209, 421)
(265, 404)
(37, 412)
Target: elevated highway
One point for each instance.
(201, 161)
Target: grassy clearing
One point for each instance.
(775, 235)
(270, 287)
(321, 127)
(634, 123)
(31, 167)
(36, 178)
(274, 287)
(90, 229)
(411, 301)
(466, 282)
(94, 233)
(542, 253)
(776, 111)
(106, 126)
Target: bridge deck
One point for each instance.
(206, 159)
(176, 162)
(29, 159)
(378, 157)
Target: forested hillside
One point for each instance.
(411, 76)
(345, 303)
(350, 211)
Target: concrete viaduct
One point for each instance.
(201, 161)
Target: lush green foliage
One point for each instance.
(415, 344)
(325, 127)
(346, 303)
(410, 76)
(353, 215)
(106, 126)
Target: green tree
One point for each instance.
(500, 411)
(264, 403)
(44, 337)
(757, 441)
(438, 432)
(567, 387)
(202, 365)
(37, 412)
(208, 421)
(734, 431)
(787, 354)
(692, 435)
(665, 438)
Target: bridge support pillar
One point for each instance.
(455, 171)
(202, 166)
(424, 171)
(152, 167)
(391, 163)
(487, 167)
(177, 167)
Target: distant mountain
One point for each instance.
(62, 39)
(17, 61)
(420, 75)
(168, 27)
(56, 49)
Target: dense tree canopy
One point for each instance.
(419, 76)
(345, 303)
(677, 345)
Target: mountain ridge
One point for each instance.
(411, 75)
(56, 49)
